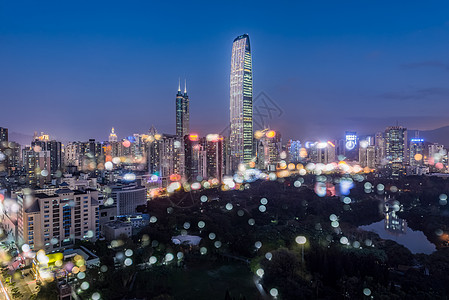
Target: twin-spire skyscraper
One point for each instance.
(182, 111)
(241, 104)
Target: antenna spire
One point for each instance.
(179, 84)
(185, 86)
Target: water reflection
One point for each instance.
(396, 229)
(394, 224)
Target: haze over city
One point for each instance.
(236, 150)
(329, 66)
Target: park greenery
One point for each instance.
(254, 228)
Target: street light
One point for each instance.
(301, 240)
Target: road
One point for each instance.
(4, 295)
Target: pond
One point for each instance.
(395, 228)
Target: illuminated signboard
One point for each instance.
(351, 140)
(417, 140)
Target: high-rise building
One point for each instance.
(3, 134)
(351, 149)
(294, 151)
(112, 136)
(395, 148)
(164, 156)
(321, 152)
(213, 145)
(37, 165)
(182, 112)
(241, 98)
(367, 156)
(9, 154)
(416, 152)
(43, 143)
(269, 147)
(195, 158)
(127, 197)
(84, 155)
(379, 142)
(54, 219)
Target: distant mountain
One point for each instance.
(439, 135)
(22, 139)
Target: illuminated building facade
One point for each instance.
(43, 143)
(182, 112)
(379, 142)
(84, 155)
(241, 102)
(367, 157)
(112, 136)
(55, 218)
(213, 145)
(416, 152)
(321, 152)
(269, 147)
(395, 148)
(164, 156)
(294, 151)
(351, 145)
(195, 158)
(9, 158)
(37, 166)
(127, 197)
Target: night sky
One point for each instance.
(75, 69)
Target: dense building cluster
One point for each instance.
(54, 193)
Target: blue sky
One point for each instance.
(75, 69)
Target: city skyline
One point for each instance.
(324, 81)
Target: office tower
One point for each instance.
(127, 197)
(351, 149)
(139, 146)
(294, 151)
(436, 151)
(43, 143)
(416, 152)
(269, 147)
(227, 162)
(55, 219)
(3, 134)
(395, 148)
(213, 145)
(195, 158)
(241, 102)
(182, 112)
(164, 156)
(321, 152)
(379, 142)
(416, 157)
(367, 157)
(437, 159)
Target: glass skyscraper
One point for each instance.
(182, 112)
(241, 96)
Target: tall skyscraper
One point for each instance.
(395, 146)
(241, 98)
(182, 112)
